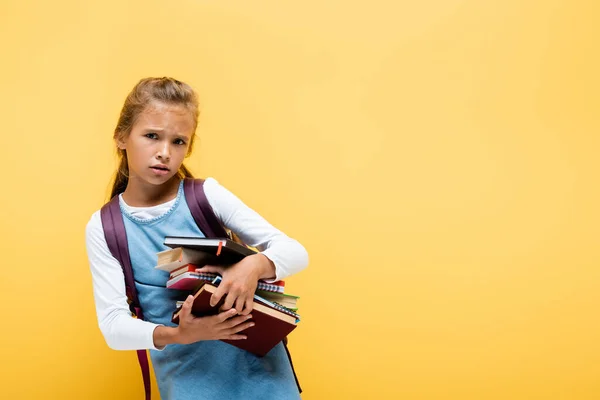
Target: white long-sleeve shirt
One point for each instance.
(123, 332)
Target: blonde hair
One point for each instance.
(165, 90)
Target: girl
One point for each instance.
(155, 132)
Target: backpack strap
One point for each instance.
(116, 239)
(201, 210)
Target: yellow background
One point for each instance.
(437, 158)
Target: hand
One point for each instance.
(240, 281)
(225, 325)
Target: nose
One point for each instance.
(164, 151)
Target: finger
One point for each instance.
(235, 321)
(248, 305)
(186, 308)
(218, 294)
(226, 315)
(239, 328)
(236, 337)
(229, 300)
(239, 304)
(215, 269)
(222, 308)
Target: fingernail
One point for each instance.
(252, 324)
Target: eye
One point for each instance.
(179, 141)
(151, 135)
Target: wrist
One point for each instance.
(266, 267)
(164, 335)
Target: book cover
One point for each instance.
(225, 250)
(271, 326)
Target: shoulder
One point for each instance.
(223, 203)
(95, 222)
(94, 231)
(211, 184)
(214, 191)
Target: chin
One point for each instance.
(160, 180)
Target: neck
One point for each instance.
(144, 194)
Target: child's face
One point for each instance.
(158, 142)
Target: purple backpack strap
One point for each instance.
(116, 239)
(201, 210)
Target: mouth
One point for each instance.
(160, 170)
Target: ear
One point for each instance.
(121, 144)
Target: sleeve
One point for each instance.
(288, 255)
(120, 329)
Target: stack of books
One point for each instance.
(274, 312)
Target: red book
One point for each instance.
(189, 280)
(271, 326)
(184, 269)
